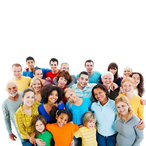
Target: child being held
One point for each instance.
(88, 131)
(62, 130)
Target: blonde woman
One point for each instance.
(128, 134)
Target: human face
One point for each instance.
(12, 89)
(53, 96)
(62, 82)
(40, 126)
(107, 80)
(38, 73)
(89, 67)
(36, 85)
(62, 119)
(83, 81)
(17, 71)
(127, 87)
(100, 95)
(64, 67)
(30, 64)
(28, 98)
(113, 71)
(127, 72)
(136, 78)
(90, 124)
(53, 65)
(71, 96)
(122, 108)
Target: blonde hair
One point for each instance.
(129, 79)
(88, 116)
(124, 99)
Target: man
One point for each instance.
(65, 67)
(10, 106)
(30, 62)
(94, 76)
(83, 88)
(54, 67)
(21, 81)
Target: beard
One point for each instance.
(13, 93)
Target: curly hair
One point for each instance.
(47, 90)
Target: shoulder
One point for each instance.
(87, 100)
(94, 105)
(135, 119)
(96, 73)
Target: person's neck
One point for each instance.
(90, 73)
(127, 117)
(17, 78)
(14, 98)
(80, 87)
(61, 86)
(129, 95)
(104, 102)
(54, 71)
(78, 101)
(26, 107)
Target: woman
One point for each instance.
(51, 96)
(104, 110)
(128, 85)
(38, 73)
(127, 72)
(36, 85)
(128, 134)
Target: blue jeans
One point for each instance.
(106, 141)
(26, 142)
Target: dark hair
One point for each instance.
(66, 75)
(42, 119)
(84, 73)
(113, 65)
(30, 58)
(36, 68)
(140, 86)
(53, 59)
(47, 90)
(89, 61)
(27, 90)
(102, 87)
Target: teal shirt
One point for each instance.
(45, 137)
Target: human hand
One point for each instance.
(141, 125)
(143, 101)
(13, 137)
(48, 79)
(40, 142)
(26, 69)
(72, 143)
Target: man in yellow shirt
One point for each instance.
(22, 81)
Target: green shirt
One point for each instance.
(45, 137)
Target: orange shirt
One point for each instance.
(62, 135)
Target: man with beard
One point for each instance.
(10, 106)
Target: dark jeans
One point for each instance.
(106, 140)
(26, 142)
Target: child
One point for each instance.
(88, 131)
(40, 130)
(62, 131)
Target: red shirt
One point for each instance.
(51, 75)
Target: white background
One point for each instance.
(71, 31)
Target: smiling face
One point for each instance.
(53, 96)
(53, 65)
(37, 85)
(30, 64)
(91, 124)
(122, 108)
(62, 82)
(89, 67)
(17, 71)
(107, 80)
(83, 81)
(127, 87)
(62, 119)
(12, 89)
(113, 71)
(38, 73)
(40, 127)
(71, 96)
(127, 72)
(136, 78)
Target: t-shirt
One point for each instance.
(51, 75)
(62, 135)
(45, 137)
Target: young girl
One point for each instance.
(128, 134)
(62, 130)
(88, 131)
(40, 130)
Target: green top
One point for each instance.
(45, 137)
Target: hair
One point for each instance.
(84, 73)
(89, 61)
(17, 65)
(88, 116)
(13, 83)
(124, 99)
(64, 63)
(42, 119)
(106, 73)
(53, 59)
(47, 90)
(27, 90)
(128, 67)
(102, 87)
(67, 90)
(33, 80)
(35, 69)
(113, 65)
(30, 58)
(129, 79)
(140, 86)
(66, 75)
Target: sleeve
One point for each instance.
(48, 127)
(7, 118)
(140, 111)
(45, 70)
(54, 82)
(76, 127)
(61, 105)
(77, 76)
(78, 133)
(23, 73)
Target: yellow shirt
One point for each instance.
(24, 122)
(137, 107)
(88, 136)
(23, 83)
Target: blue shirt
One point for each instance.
(105, 117)
(86, 92)
(79, 111)
(43, 112)
(94, 78)
(30, 73)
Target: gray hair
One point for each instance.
(107, 73)
(9, 83)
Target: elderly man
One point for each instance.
(10, 106)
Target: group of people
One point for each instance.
(51, 107)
